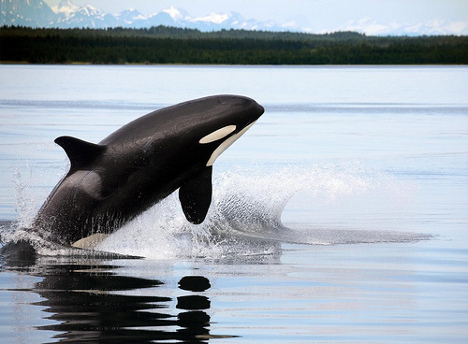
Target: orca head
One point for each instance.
(237, 116)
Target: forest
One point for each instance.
(168, 45)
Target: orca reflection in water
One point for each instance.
(86, 304)
(111, 182)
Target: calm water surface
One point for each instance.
(366, 168)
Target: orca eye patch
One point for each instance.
(218, 134)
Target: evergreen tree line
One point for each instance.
(167, 45)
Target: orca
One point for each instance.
(113, 181)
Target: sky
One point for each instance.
(316, 15)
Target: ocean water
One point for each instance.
(341, 216)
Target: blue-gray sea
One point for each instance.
(341, 216)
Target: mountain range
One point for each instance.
(37, 14)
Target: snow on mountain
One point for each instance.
(70, 10)
(176, 13)
(435, 27)
(213, 18)
(68, 15)
(36, 13)
(131, 16)
(65, 7)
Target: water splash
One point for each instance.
(245, 217)
(25, 206)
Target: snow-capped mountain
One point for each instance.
(36, 13)
(131, 15)
(65, 8)
(68, 15)
(435, 27)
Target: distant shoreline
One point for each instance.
(76, 63)
(173, 46)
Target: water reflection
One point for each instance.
(92, 303)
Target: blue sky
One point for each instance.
(369, 16)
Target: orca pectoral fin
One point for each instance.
(195, 196)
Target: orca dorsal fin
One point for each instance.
(80, 153)
(195, 195)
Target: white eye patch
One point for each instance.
(218, 134)
(225, 145)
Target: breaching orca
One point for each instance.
(138, 165)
